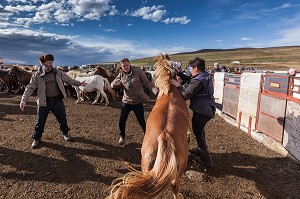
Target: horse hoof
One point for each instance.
(178, 196)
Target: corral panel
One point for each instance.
(231, 94)
(291, 138)
(248, 98)
(272, 127)
(218, 87)
(274, 107)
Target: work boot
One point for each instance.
(35, 144)
(196, 151)
(202, 156)
(66, 136)
(205, 159)
(121, 141)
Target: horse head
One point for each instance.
(104, 73)
(163, 73)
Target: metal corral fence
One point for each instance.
(268, 103)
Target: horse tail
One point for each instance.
(135, 184)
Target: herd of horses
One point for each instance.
(98, 81)
(165, 146)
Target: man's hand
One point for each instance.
(22, 105)
(83, 83)
(154, 90)
(174, 82)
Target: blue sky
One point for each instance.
(89, 31)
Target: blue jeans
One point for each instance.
(198, 123)
(138, 110)
(57, 107)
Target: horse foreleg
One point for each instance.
(18, 89)
(78, 94)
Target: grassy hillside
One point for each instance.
(275, 58)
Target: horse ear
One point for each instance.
(167, 57)
(159, 57)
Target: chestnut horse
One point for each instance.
(165, 146)
(23, 76)
(104, 73)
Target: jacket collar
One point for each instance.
(42, 71)
(130, 71)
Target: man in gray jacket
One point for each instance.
(49, 83)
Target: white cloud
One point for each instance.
(92, 10)
(57, 11)
(109, 30)
(154, 13)
(181, 20)
(283, 6)
(15, 1)
(19, 8)
(287, 37)
(63, 15)
(246, 39)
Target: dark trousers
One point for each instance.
(198, 123)
(138, 110)
(57, 107)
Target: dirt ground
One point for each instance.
(86, 166)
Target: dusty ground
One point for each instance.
(85, 167)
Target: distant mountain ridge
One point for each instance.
(231, 49)
(270, 58)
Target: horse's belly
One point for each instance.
(87, 89)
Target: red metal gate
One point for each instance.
(272, 105)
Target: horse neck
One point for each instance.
(164, 86)
(21, 73)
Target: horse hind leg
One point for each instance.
(105, 97)
(97, 97)
(175, 189)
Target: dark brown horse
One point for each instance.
(10, 81)
(165, 146)
(22, 75)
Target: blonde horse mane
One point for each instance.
(163, 73)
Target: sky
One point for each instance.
(79, 32)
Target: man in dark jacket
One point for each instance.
(200, 93)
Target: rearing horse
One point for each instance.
(165, 146)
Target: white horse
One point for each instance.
(94, 83)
